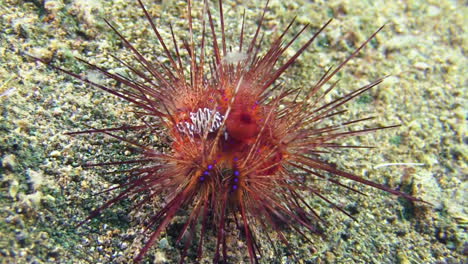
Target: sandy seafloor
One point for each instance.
(45, 192)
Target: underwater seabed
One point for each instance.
(45, 191)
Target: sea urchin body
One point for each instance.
(237, 137)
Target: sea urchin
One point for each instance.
(237, 136)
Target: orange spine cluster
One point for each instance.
(237, 137)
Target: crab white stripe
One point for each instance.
(200, 121)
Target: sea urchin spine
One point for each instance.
(238, 137)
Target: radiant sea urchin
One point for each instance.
(237, 137)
